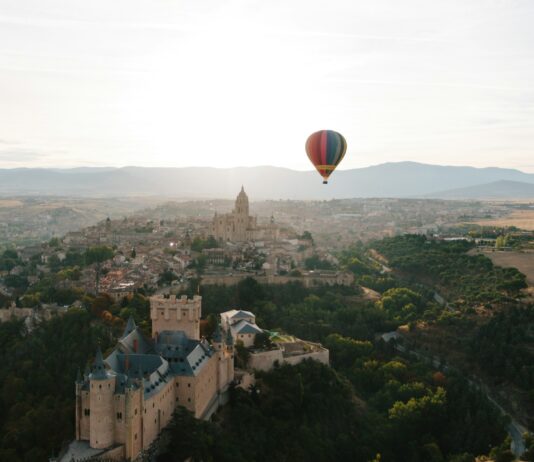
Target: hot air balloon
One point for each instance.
(325, 149)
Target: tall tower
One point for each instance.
(176, 314)
(241, 203)
(101, 391)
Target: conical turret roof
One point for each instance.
(130, 326)
(229, 338)
(217, 335)
(99, 370)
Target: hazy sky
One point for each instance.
(243, 82)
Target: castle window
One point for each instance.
(188, 400)
(100, 387)
(86, 412)
(188, 385)
(135, 436)
(135, 411)
(119, 415)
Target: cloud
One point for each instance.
(14, 156)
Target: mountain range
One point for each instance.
(401, 179)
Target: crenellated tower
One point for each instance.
(176, 314)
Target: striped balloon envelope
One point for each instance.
(326, 149)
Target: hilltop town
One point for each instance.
(155, 255)
(191, 310)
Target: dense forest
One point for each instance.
(464, 278)
(485, 327)
(37, 373)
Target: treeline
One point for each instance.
(309, 313)
(418, 414)
(37, 373)
(503, 348)
(441, 416)
(56, 277)
(465, 278)
(311, 412)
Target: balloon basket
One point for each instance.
(325, 182)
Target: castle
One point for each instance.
(125, 400)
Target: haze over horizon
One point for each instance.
(243, 83)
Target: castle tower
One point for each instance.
(133, 403)
(101, 390)
(176, 314)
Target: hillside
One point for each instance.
(503, 189)
(404, 179)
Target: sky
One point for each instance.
(228, 83)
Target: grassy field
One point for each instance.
(523, 261)
(10, 203)
(523, 219)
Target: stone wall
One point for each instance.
(322, 356)
(306, 280)
(264, 360)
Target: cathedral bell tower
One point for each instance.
(241, 203)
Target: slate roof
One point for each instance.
(185, 356)
(128, 344)
(217, 335)
(98, 372)
(245, 327)
(153, 365)
(238, 314)
(130, 326)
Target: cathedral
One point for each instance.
(127, 398)
(236, 226)
(239, 226)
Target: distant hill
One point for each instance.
(503, 189)
(403, 179)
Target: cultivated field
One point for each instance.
(10, 203)
(523, 261)
(523, 219)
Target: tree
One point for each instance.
(98, 255)
(262, 341)
(54, 243)
(242, 354)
